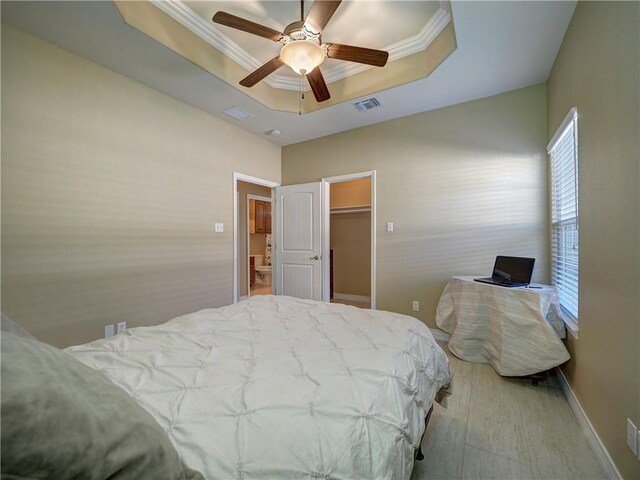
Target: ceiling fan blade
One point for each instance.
(261, 73)
(224, 18)
(320, 14)
(318, 85)
(377, 58)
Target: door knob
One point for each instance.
(314, 258)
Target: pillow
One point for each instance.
(61, 419)
(8, 325)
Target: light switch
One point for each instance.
(389, 226)
(219, 227)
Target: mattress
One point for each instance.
(280, 387)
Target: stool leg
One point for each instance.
(536, 377)
(419, 454)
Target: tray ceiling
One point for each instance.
(501, 46)
(401, 27)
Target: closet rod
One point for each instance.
(355, 209)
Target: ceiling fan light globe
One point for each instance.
(302, 56)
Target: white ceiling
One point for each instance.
(372, 24)
(502, 46)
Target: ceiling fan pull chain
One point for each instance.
(300, 99)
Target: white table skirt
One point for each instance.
(516, 330)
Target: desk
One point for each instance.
(516, 330)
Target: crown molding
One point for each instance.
(188, 18)
(181, 13)
(398, 50)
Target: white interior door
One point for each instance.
(299, 239)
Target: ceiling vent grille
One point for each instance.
(238, 113)
(367, 104)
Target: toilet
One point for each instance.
(263, 272)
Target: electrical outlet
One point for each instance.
(416, 306)
(389, 226)
(108, 331)
(122, 326)
(632, 437)
(219, 227)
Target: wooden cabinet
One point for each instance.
(262, 217)
(268, 218)
(252, 216)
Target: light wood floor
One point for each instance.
(260, 290)
(352, 302)
(503, 428)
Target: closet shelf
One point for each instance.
(353, 209)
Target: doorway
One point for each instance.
(320, 246)
(243, 186)
(351, 221)
(259, 222)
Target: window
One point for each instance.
(563, 157)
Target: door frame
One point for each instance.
(249, 179)
(326, 234)
(251, 196)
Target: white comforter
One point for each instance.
(279, 387)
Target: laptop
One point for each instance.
(510, 272)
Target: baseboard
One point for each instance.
(351, 298)
(440, 335)
(606, 462)
(243, 297)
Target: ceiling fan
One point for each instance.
(302, 47)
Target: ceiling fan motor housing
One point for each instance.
(295, 31)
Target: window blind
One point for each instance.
(563, 157)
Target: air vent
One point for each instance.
(238, 113)
(367, 104)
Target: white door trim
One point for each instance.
(250, 179)
(251, 196)
(326, 217)
(326, 239)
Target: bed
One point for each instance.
(280, 387)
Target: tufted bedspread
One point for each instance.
(279, 387)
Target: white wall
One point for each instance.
(110, 192)
(598, 70)
(462, 184)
